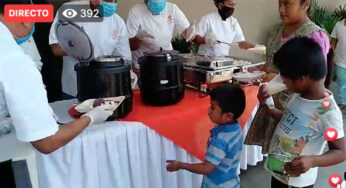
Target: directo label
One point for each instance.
(29, 13)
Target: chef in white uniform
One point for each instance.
(218, 27)
(151, 26)
(108, 37)
(23, 97)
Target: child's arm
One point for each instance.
(200, 168)
(335, 155)
(275, 113)
(334, 42)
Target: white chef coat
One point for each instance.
(228, 31)
(30, 48)
(22, 93)
(108, 37)
(160, 26)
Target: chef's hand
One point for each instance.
(245, 45)
(100, 114)
(263, 94)
(173, 165)
(210, 39)
(299, 166)
(189, 34)
(268, 77)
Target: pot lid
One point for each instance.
(108, 59)
(74, 41)
(162, 53)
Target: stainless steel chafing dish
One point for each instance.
(203, 73)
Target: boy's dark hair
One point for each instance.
(230, 99)
(5, 2)
(300, 57)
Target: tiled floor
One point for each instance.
(257, 177)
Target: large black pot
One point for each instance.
(105, 77)
(161, 78)
(102, 77)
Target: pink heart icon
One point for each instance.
(330, 134)
(326, 103)
(335, 180)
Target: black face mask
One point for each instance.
(225, 12)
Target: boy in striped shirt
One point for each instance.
(225, 144)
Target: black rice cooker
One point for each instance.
(161, 78)
(101, 77)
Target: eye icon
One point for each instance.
(69, 13)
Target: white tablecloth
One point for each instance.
(120, 155)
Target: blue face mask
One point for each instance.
(156, 7)
(24, 39)
(108, 8)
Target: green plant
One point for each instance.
(324, 17)
(180, 44)
(340, 12)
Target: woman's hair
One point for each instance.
(303, 1)
(216, 2)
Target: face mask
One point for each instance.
(156, 7)
(24, 39)
(226, 12)
(107, 9)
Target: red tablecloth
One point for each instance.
(187, 123)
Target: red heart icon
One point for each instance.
(331, 134)
(326, 103)
(335, 180)
(326, 93)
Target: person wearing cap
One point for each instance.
(217, 31)
(108, 37)
(151, 26)
(23, 97)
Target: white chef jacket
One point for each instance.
(30, 48)
(160, 26)
(22, 93)
(108, 37)
(228, 31)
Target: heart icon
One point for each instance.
(335, 180)
(331, 134)
(326, 103)
(326, 93)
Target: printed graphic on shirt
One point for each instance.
(295, 130)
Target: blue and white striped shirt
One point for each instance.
(224, 149)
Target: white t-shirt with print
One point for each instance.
(228, 31)
(301, 133)
(339, 33)
(160, 26)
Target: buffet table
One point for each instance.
(130, 154)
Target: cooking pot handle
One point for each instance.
(134, 80)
